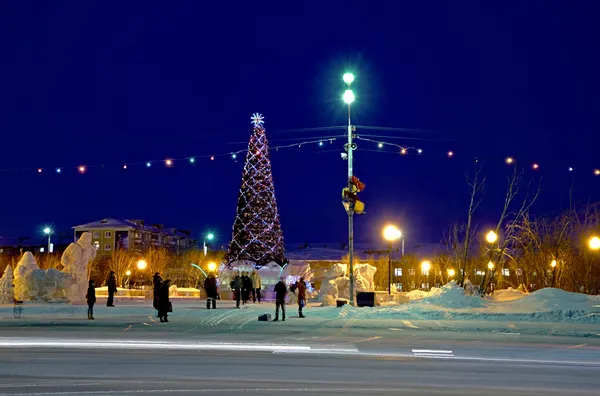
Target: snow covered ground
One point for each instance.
(548, 312)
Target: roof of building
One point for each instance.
(321, 251)
(133, 225)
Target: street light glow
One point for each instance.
(509, 160)
(212, 266)
(425, 266)
(210, 236)
(348, 78)
(451, 273)
(491, 237)
(391, 233)
(491, 266)
(348, 96)
(142, 264)
(553, 264)
(594, 243)
(47, 230)
(128, 272)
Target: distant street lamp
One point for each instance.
(349, 98)
(128, 273)
(391, 234)
(594, 243)
(48, 231)
(553, 265)
(425, 268)
(210, 237)
(451, 273)
(491, 237)
(212, 266)
(141, 264)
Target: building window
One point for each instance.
(42, 250)
(107, 234)
(96, 234)
(107, 247)
(411, 272)
(425, 272)
(97, 245)
(479, 272)
(505, 271)
(397, 271)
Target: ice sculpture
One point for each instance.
(6, 287)
(336, 284)
(75, 261)
(33, 283)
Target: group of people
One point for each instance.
(244, 285)
(299, 288)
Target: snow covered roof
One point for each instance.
(335, 252)
(133, 225)
(111, 223)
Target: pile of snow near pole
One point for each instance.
(448, 296)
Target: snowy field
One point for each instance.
(546, 312)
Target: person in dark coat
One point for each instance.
(91, 299)
(280, 293)
(112, 289)
(157, 280)
(210, 286)
(301, 292)
(236, 286)
(163, 301)
(247, 287)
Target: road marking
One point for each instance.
(576, 346)
(407, 323)
(128, 328)
(204, 390)
(365, 340)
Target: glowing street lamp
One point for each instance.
(594, 243)
(491, 237)
(48, 231)
(451, 273)
(491, 266)
(425, 267)
(212, 266)
(128, 273)
(142, 264)
(553, 264)
(348, 78)
(348, 97)
(391, 234)
(210, 236)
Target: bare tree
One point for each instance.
(120, 262)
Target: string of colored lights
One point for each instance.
(319, 141)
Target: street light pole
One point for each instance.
(553, 265)
(349, 98)
(391, 234)
(210, 238)
(48, 231)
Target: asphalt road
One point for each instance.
(68, 361)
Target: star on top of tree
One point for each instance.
(257, 119)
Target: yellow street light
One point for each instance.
(451, 273)
(553, 264)
(491, 237)
(128, 272)
(594, 243)
(391, 233)
(142, 264)
(425, 267)
(490, 266)
(212, 266)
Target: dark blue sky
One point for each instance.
(132, 81)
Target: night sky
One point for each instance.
(126, 82)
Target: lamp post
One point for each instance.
(391, 234)
(212, 266)
(553, 265)
(491, 237)
(48, 231)
(141, 264)
(210, 237)
(348, 99)
(425, 268)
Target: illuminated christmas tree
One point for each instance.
(257, 234)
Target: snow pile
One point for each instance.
(506, 295)
(452, 296)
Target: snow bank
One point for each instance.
(448, 296)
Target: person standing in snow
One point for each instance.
(91, 299)
(301, 287)
(236, 286)
(256, 284)
(280, 293)
(210, 287)
(247, 285)
(157, 281)
(164, 305)
(112, 289)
